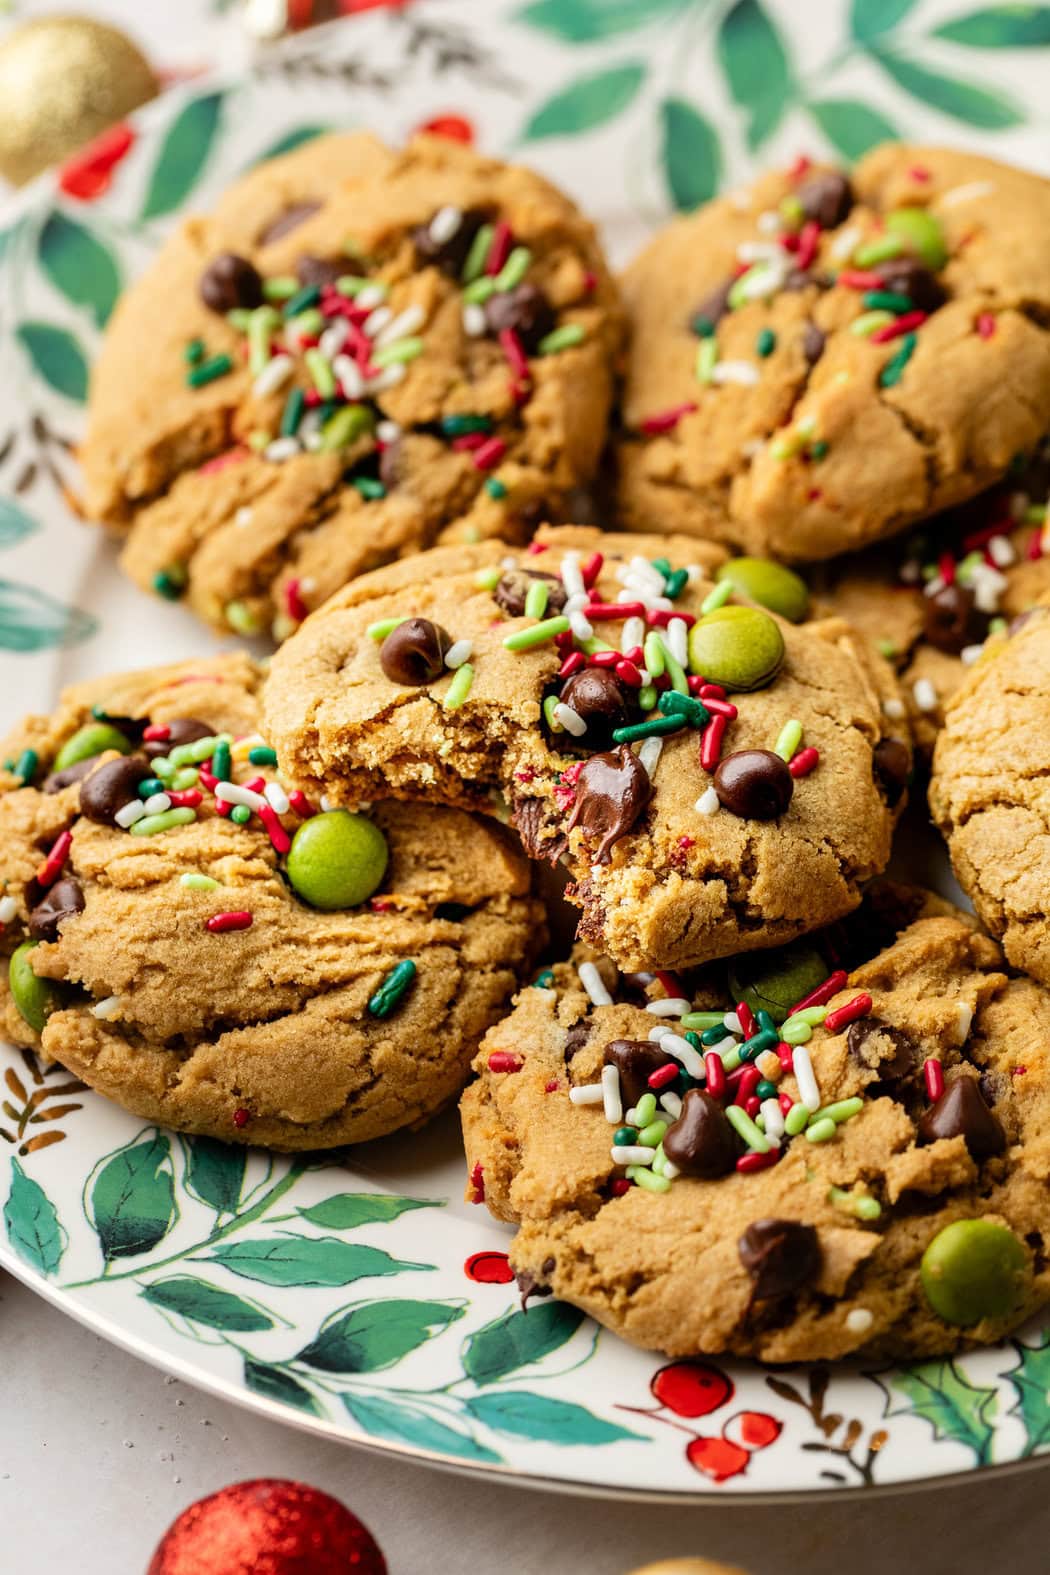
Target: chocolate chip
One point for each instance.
(701, 1142)
(904, 276)
(531, 1286)
(612, 793)
(183, 730)
(525, 309)
(62, 900)
(952, 620)
(754, 784)
(450, 255)
(230, 281)
(577, 1037)
(962, 1112)
(634, 987)
(321, 270)
(514, 585)
(827, 198)
(891, 768)
(287, 221)
(63, 779)
(711, 310)
(1015, 626)
(390, 457)
(112, 785)
(883, 1049)
(813, 342)
(635, 1060)
(414, 652)
(780, 1255)
(598, 698)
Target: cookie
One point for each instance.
(638, 718)
(877, 1185)
(357, 353)
(930, 600)
(989, 791)
(234, 964)
(822, 359)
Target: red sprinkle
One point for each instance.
(801, 167)
(616, 610)
(1034, 549)
(747, 1085)
(188, 798)
(477, 1183)
(785, 1101)
(711, 742)
(551, 1087)
(468, 441)
(722, 708)
(220, 923)
(716, 1074)
(986, 324)
(667, 420)
(808, 241)
(301, 804)
(710, 691)
(232, 456)
(381, 904)
(241, 1118)
(673, 986)
(279, 838)
(831, 986)
(627, 671)
(860, 279)
(621, 1186)
(514, 351)
(663, 1075)
(849, 1013)
(590, 281)
(905, 324)
(919, 172)
(750, 1162)
(51, 868)
(933, 1072)
(784, 1053)
(504, 1061)
(490, 454)
(156, 733)
(591, 568)
(573, 663)
(499, 250)
(660, 617)
(946, 568)
(752, 1106)
(295, 607)
(747, 1019)
(604, 659)
(1018, 1071)
(804, 762)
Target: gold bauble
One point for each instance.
(688, 1567)
(64, 79)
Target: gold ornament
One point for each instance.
(688, 1567)
(63, 80)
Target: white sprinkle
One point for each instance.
(333, 339)
(731, 1022)
(967, 193)
(632, 1154)
(277, 798)
(1001, 551)
(740, 201)
(281, 449)
(934, 586)
(128, 813)
(677, 637)
(708, 802)
(970, 654)
(742, 372)
(458, 653)
(387, 378)
(724, 1046)
(660, 1032)
(594, 985)
(760, 251)
(244, 516)
(773, 1118)
(388, 431)
(581, 627)
(157, 803)
(474, 321)
(911, 571)
(845, 242)
(273, 376)
(649, 755)
(371, 296)
(233, 793)
(669, 1006)
(445, 224)
(376, 321)
(326, 803)
(571, 576)
(673, 1105)
(107, 1008)
(764, 280)
(752, 448)
(351, 378)
(964, 1012)
(611, 1095)
(587, 1093)
(808, 1091)
(577, 603)
(894, 707)
(988, 585)
(859, 1320)
(311, 424)
(684, 1054)
(569, 719)
(313, 442)
(633, 633)
(925, 694)
(508, 562)
(8, 909)
(641, 570)
(769, 222)
(401, 326)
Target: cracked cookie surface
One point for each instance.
(698, 1267)
(325, 392)
(859, 390)
(662, 878)
(262, 1034)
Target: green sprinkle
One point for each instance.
(796, 1032)
(894, 369)
(151, 825)
(209, 371)
(190, 754)
(280, 288)
(239, 319)
(624, 1136)
(514, 269)
(550, 705)
(703, 1021)
(643, 1177)
(194, 351)
(302, 300)
(461, 426)
(658, 1161)
(393, 987)
(766, 342)
(544, 980)
(222, 761)
(352, 284)
(716, 598)
(702, 326)
(148, 786)
(26, 764)
(765, 1039)
(163, 767)
(676, 583)
(536, 599)
(198, 882)
(488, 579)
(765, 1021)
(819, 449)
(369, 488)
(841, 1110)
(814, 1015)
(561, 339)
(380, 630)
(792, 211)
(653, 1134)
(495, 488)
(746, 1128)
(292, 414)
(1035, 513)
(765, 1089)
(867, 1208)
(694, 711)
(652, 727)
(241, 814)
(479, 292)
(647, 696)
(865, 325)
(241, 619)
(820, 1131)
(479, 250)
(188, 777)
(796, 1119)
(888, 301)
(259, 330)
(459, 688)
(788, 739)
(706, 360)
(662, 566)
(307, 324)
(674, 669)
(645, 1110)
(539, 634)
(654, 653)
(400, 350)
(716, 1031)
(861, 1205)
(321, 374)
(171, 582)
(731, 1059)
(879, 250)
(344, 427)
(258, 440)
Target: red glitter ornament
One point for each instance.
(267, 1527)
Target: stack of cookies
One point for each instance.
(770, 1102)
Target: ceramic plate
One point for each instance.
(359, 1297)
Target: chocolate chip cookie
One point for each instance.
(825, 358)
(357, 352)
(224, 957)
(715, 776)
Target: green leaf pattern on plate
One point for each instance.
(586, 102)
(32, 1223)
(199, 1302)
(518, 1338)
(691, 152)
(956, 1409)
(758, 71)
(131, 1198)
(183, 155)
(79, 265)
(303, 1260)
(56, 357)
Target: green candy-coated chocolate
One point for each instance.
(35, 999)
(337, 859)
(768, 583)
(89, 741)
(739, 647)
(773, 981)
(921, 234)
(974, 1269)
